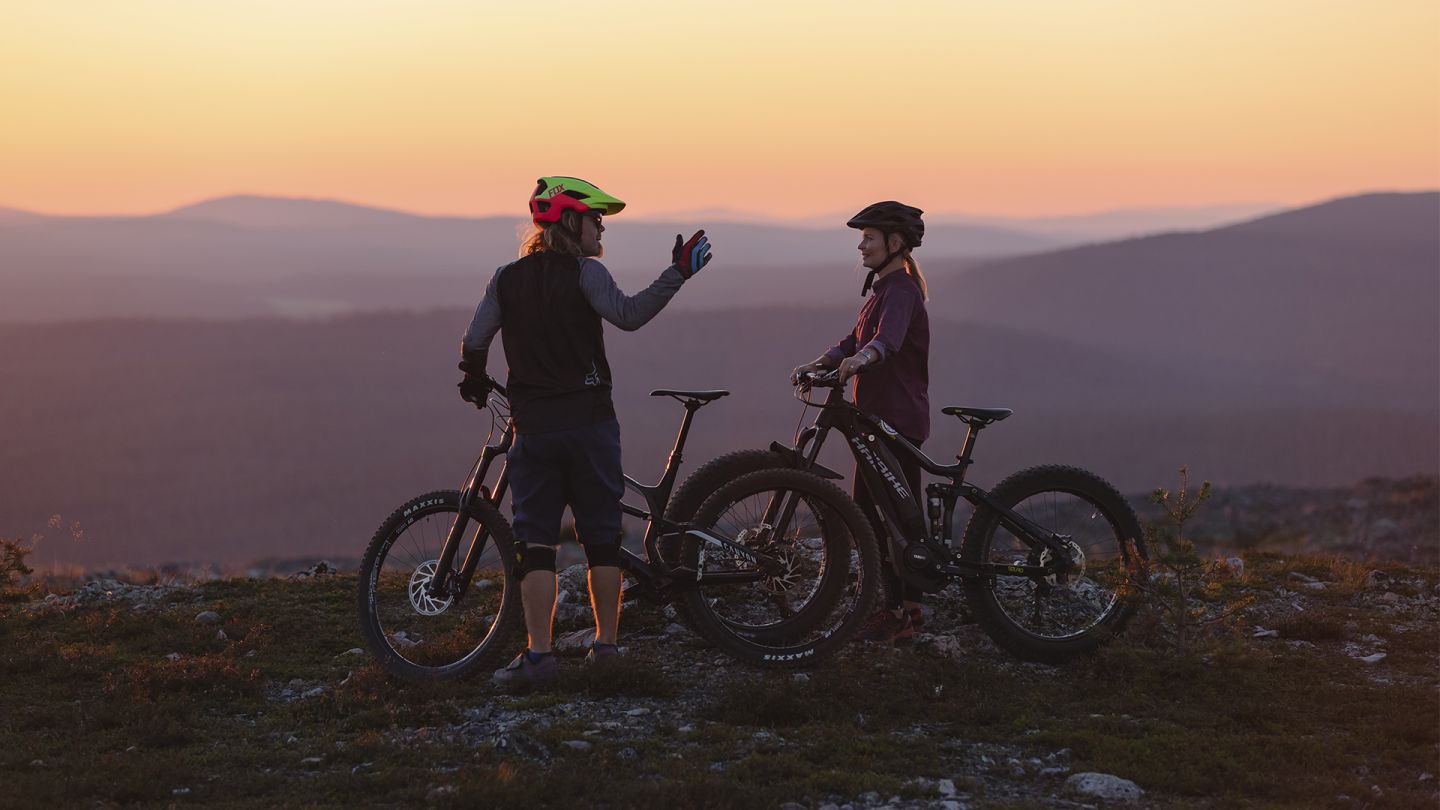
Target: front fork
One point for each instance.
(447, 583)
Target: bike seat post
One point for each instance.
(677, 453)
(972, 430)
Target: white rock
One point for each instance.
(640, 712)
(1104, 786)
(1261, 632)
(207, 617)
(576, 640)
(1373, 659)
(173, 657)
(1377, 579)
(352, 651)
(946, 787)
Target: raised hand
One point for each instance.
(690, 257)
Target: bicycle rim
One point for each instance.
(414, 634)
(1063, 608)
(827, 577)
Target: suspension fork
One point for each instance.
(448, 583)
(780, 511)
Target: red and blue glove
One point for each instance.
(691, 256)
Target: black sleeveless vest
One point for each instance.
(555, 345)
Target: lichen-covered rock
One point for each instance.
(1104, 786)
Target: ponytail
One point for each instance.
(912, 266)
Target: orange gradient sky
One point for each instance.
(1022, 107)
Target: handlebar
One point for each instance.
(830, 378)
(496, 386)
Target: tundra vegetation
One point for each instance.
(1258, 680)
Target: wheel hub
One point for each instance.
(779, 579)
(420, 598)
(1077, 564)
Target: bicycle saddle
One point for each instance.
(982, 415)
(701, 396)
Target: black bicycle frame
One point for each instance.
(652, 574)
(903, 513)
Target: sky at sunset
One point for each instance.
(789, 109)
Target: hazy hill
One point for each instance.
(1350, 288)
(1299, 349)
(282, 213)
(237, 440)
(1128, 222)
(252, 256)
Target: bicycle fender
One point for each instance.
(794, 459)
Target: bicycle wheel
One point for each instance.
(827, 584)
(1048, 620)
(415, 636)
(714, 474)
(707, 478)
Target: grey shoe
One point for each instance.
(523, 672)
(601, 653)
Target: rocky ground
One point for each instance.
(163, 680)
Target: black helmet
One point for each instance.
(892, 217)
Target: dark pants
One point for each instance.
(576, 467)
(896, 591)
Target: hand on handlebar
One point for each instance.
(475, 390)
(851, 366)
(799, 374)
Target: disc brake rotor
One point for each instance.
(1077, 565)
(420, 599)
(761, 540)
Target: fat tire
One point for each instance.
(980, 532)
(854, 533)
(509, 624)
(707, 478)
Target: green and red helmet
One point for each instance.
(555, 195)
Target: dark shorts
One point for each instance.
(576, 467)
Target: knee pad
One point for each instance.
(530, 557)
(603, 554)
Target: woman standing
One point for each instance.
(548, 307)
(891, 343)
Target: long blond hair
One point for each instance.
(564, 240)
(912, 266)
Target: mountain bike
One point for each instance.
(437, 597)
(1051, 560)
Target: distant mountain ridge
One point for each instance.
(1349, 287)
(252, 211)
(248, 256)
(1126, 223)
